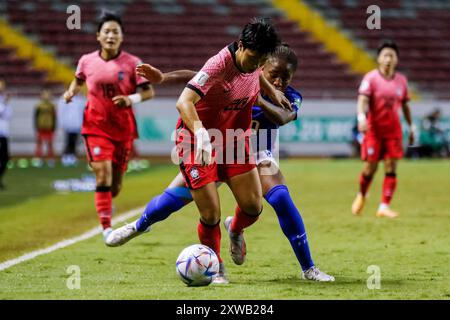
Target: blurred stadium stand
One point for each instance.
(173, 34)
(170, 34)
(420, 27)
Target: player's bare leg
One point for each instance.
(117, 178)
(389, 184)
(207, 200)
(246, 189)
(365, 179)
(103, 196)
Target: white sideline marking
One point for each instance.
(65, 243)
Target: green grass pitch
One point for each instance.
(412, 252)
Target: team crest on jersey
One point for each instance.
(97, 151)
(370, 151)
(121, 75)
(194, 173)
(201, 78)
(399, 92)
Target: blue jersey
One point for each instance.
(266, 139)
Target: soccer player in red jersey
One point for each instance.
(109, 125)
(278, 70)
(219, 98)
(381, 94)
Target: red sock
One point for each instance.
(103, 204)
(364, 183)
(389, 184)
(210, 236)
(242, 220)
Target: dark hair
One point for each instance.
(387, 44)
(106, 16)
(260, 35)
(284, 52)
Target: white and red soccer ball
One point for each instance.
(197, 265)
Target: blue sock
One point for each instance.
(291, 223)
(163, 205)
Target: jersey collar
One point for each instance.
(113, 58)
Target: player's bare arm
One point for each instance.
(361, 109)
(186, 107)
(145, 92)
(273, 94)
(149, 72)
(407, 114)
(274, 113)
(178, 76)
(74, 89)
(174, 77)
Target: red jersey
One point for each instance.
(227, 94)
(386, 98)
(105, 80)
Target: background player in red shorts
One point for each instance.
(109, 126)
(221, 97)
(382, 93)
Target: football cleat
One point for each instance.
(221, 277)
(315, 274)
(387, 212)
(237, 243)
(358, 204)
(106, 233)
(123, 234)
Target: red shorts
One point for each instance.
(44, 135)
(197, 176)
(375, 149)
(99, 148)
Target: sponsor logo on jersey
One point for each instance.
(370, 151)
(201, 78)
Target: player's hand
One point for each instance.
(362, 122)
(150, 73)
(203, 153)
(362, 126)
(68, 95)
(411, 137)
(279, 99)
(122, 101)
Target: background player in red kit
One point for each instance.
(109, 126)
(382, 93)
(221, 97)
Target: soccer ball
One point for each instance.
(197, 265)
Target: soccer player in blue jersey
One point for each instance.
(278, 70)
